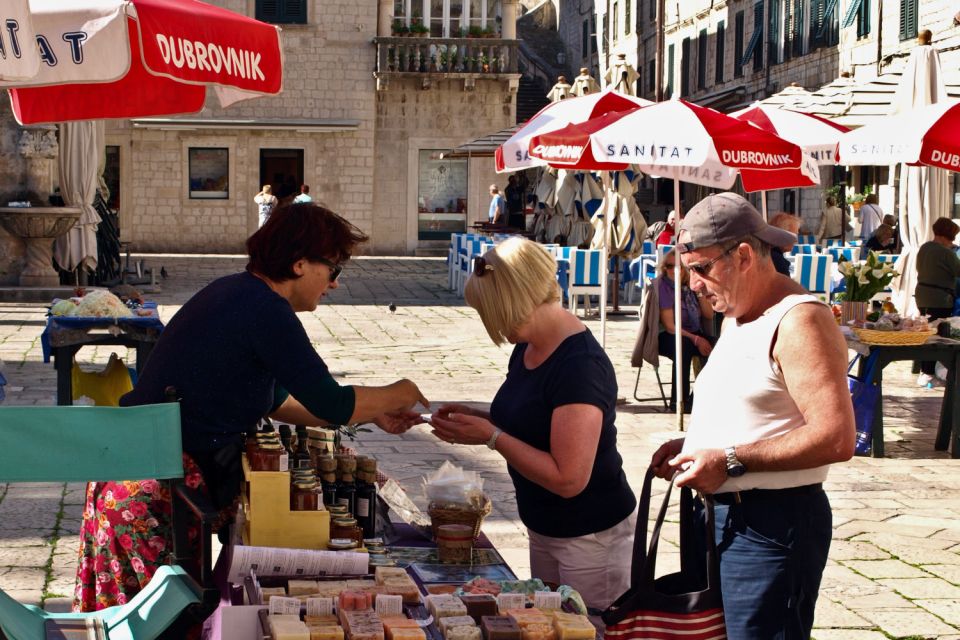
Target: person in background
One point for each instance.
(773, 412)
(513, 194)
(266, 203)
(891, 221)
(832, 222)
(553, 421)
(234, 353)
(666, 235)
(938, 268)
(696, 312)
(871, 216)
(498, 207)
(881, 241)
(787, 222)
(304, 195)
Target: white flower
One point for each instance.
(879, 273)
(863, 279)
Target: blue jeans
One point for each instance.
(773, 547)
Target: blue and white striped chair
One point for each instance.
(470, 249)
(832, 242)
(814, 272)
(457, 242)
(586, 272)
(806, 249)
(891, 258)
(847, 253)
(806, 238)
(854, 243)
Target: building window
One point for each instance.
(111, 176)
(824, 24)
(670, 60)
(908, 19)
(209, 173)
(653, 10)
(441, 196)
(773, 24)
(615, 20)
(585, 40)
(755, 46)
(627, 14)
(449, 18)
(652, 77)
(702, 60)
(738, 45)
(719, 62)
(685, 67)
(606, 35)
(282, 11)
(859, 12)
(593, 30)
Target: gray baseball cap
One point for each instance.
(723, 218)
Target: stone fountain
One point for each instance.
(38, 227)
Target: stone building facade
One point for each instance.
(357, 109)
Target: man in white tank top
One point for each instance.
(773, 411)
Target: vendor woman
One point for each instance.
(553, 422)
(234, 353)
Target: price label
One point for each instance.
(319, 606)
(280, 605)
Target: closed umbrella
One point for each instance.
(81, 145)
(136, 58)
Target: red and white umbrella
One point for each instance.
(95, 59)
(928, 136)
(512, 155)
(680, 140)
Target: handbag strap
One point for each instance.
(643, 569)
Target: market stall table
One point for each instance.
(943, 350)
(64, 336)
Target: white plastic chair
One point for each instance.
(814, 272)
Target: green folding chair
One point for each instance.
(79, 444)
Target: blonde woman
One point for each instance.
(266, 203)
(553, 422)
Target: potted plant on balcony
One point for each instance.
(855, 200)
(488, 32)
(475, 32)
(418, 29)
(483, 62)
(400, 28)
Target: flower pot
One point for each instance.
(856, 311)
(856, 205)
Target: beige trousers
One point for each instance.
(596, 565)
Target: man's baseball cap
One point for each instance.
(723, 218)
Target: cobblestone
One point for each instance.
(894, 568)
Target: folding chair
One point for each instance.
(586, 272)
(77, 444)
(832, 242)
(645, 349)
(814, 273)
(806, 249)
(847, 253)
(806, 238)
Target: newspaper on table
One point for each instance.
(273, 561)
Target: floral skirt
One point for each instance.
(125, 536)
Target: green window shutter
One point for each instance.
(851, 14)
(268, 11)
(908, 19)
(828, 8)
(773, 40)
(721, 40)
(294, 11)
(752, 47)
(738, 45)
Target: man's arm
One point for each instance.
(812, 354)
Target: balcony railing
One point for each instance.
(446, 55)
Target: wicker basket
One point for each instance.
(472, 516)
(895, 338)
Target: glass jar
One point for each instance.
(342, 544)
(269, 457)
(304, 496)
(346, 528)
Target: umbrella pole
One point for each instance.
(677, 312)
(605, 266)
(763, 203)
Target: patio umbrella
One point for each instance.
(512, 155)
(81, 145)
(136, 58)
(922, 131)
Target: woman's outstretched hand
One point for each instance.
(459, 424)
(397, 422)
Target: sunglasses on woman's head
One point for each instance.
(335, 269)
(480, 266)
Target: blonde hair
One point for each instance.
(662, 267)
(519, 276)
(266, 189)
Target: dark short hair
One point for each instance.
(945, 227)
(300, 231)
(305, 188)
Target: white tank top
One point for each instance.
(741, 397)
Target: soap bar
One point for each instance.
(463, 633)
(572, 626)
(527, 617)
(354, 600)
(325, 632)
(402, 586)
(388, 605)
(538, 632)
(446, 624)
(301, 587)
(479, 605)
(268, 592)
(319, 621)
(382, 573)
(288, 628)
(499, 628)
(407, 634)
(445, 606)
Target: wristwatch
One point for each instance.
(735, 468)
(492, 442)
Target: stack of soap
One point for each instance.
(446, 624)
(325, 631)
(463, 633)
(402, 628)
(479, 605)
(268, 592)
(527, 617)
(288, 627)
(499, 628)
(573, 626)
(538, 631)
(383, 573)
(445, 606)
(362, 625)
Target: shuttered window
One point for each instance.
(754, 49)
(719, 62)
(738, 45)
(773, 24)
(282, 11)
(702, 60)
(908, 19)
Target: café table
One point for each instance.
(64, 336)
(944, 350)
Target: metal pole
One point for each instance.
(677, 310)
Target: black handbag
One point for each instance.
(683, 605)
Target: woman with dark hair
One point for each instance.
(938, 268)
(234, 353)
